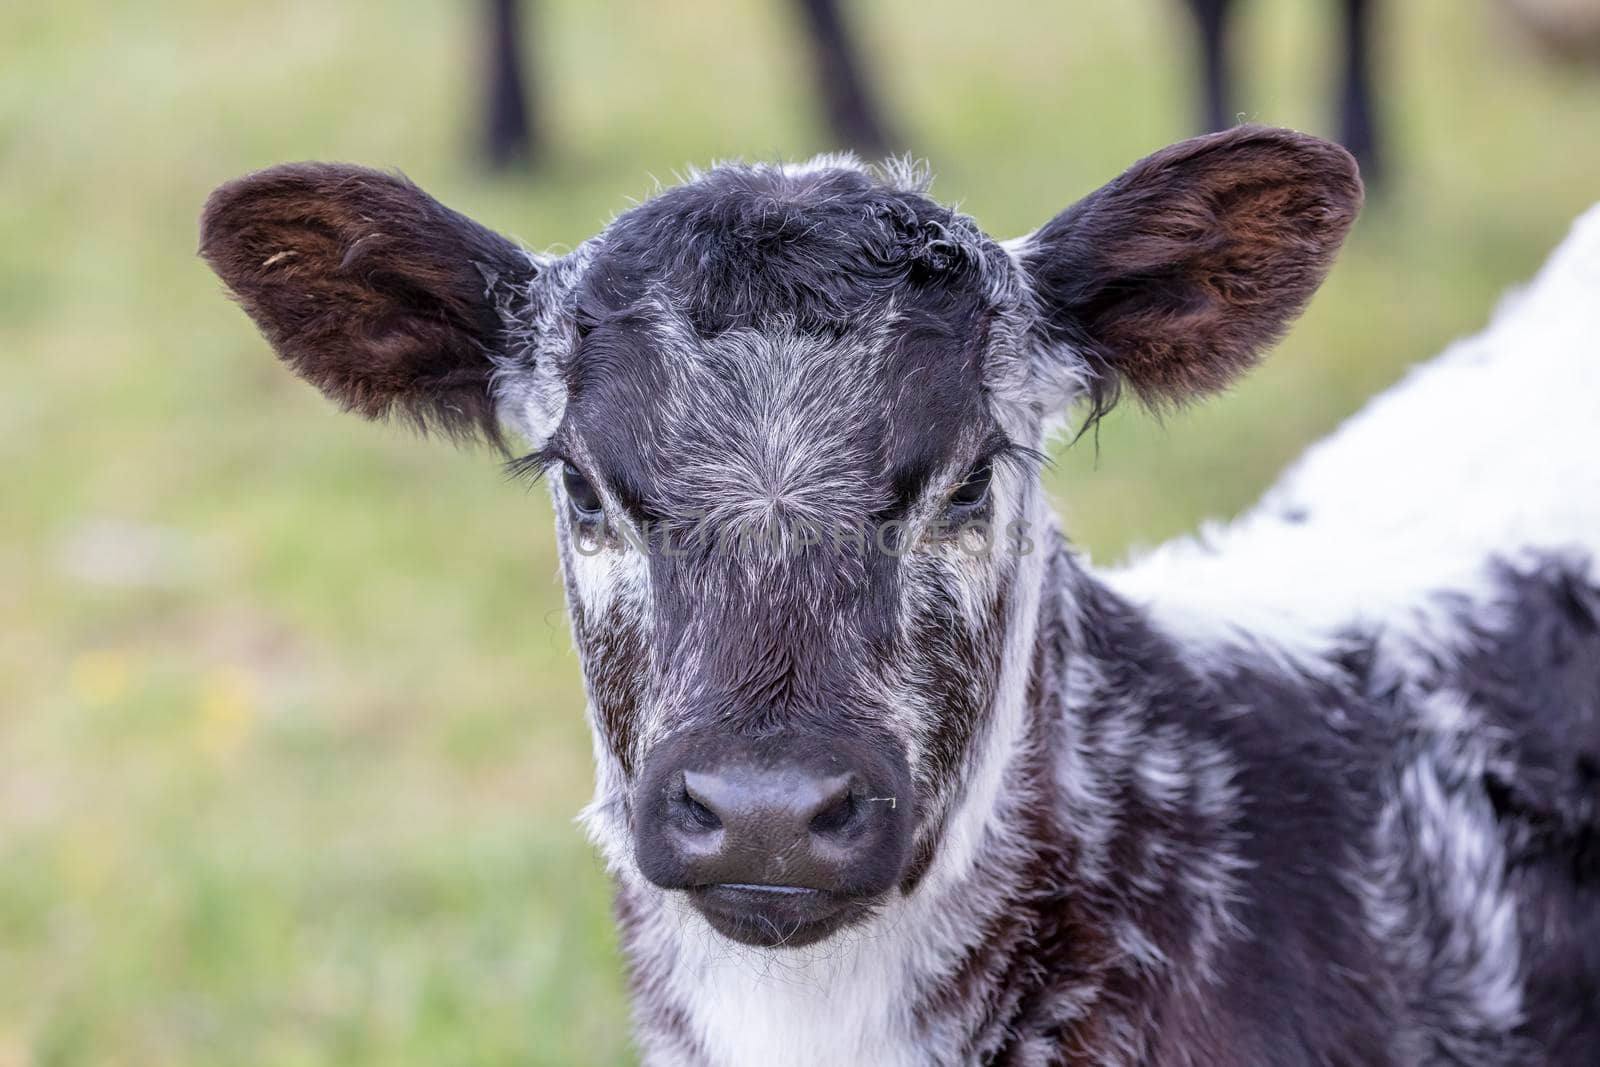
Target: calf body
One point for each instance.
(1290, 793)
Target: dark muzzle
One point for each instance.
(778, 840)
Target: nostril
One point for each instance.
(703, 816)
(696, 814)
(835, 816)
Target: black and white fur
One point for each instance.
(1318, 787)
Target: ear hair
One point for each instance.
(1175, 277)
(371, 290)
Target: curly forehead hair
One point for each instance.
(820, 244)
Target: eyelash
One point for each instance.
(532, 467)
(1003, 453)
(578, 489)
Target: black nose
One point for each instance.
(779, 814)
(783, 826)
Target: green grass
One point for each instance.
(290, 726)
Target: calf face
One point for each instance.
(791, 418)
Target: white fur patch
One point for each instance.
(1488, 449)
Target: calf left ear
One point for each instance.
(370, 289)
(1175, 277)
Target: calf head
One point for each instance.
(791, 418)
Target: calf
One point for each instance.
(886, 773)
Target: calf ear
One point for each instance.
(371, 290)
(1173, 278)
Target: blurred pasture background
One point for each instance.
(290, 725)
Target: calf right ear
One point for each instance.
(371, 290)
(1172, 279)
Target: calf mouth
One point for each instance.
(776, 916)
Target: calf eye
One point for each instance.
(973, 492)
(585, 501)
